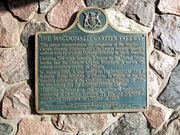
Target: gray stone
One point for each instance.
(101, 3)
(122, 23)
(166, 34)
(170, 97)
(130, 124)
(28, 41)
(5, 129)
(29, 31)
(109, 130)
(120, 5)
(46, 5)
(141, 11)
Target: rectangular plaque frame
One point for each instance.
(44, 40)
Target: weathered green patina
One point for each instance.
(91, 67)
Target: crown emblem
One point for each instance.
(92, 20)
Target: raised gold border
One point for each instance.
(94, 31)
(63, 31)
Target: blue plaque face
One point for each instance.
(91, 67)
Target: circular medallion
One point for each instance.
(92, 20)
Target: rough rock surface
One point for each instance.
(29, 31)
(142, 11)
(9, 30)
(19, 18)
(84, 123)
(18, 101)
(155, 83)
(162, 63)
(35, 127)
(170, 97)
(13, 65)
(101, 3)
(110, 129)
(119, 21)
(46, 5)
(167, 34)
(5, 129)
(150, 44)
(169, 6)
(2, 89)
(28, 41)
(60, 19)
(155, 116)
(171, 127)
(130, 124)
(22, 9)
(121, 4)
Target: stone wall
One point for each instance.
(20, 19)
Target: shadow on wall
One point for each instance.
(32, 97)
(7, 6)
(31, 56)
(18, 3)
(13, 4)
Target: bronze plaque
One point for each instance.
(91, 67)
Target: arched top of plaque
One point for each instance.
(91, 67)
(92, 20)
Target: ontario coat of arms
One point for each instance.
(92, 20)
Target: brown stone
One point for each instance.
(155, 116)
(9, 30)
(169, 6)
(154, 84)
(171, 127)
(76, 123)
(18, 101)
(23, 9)
(35, 127)
(13, 65)
(162, 63)
(61, 14)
